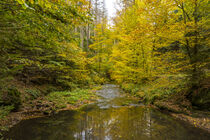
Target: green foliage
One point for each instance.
(33, 93)
(5, 110)
(50, 88)
(152, 40)
(130, 88)
(161, 88)
(11, 97)
(40, 44)
(61, 99)
(201, 98)
(149, 43)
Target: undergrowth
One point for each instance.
(62, 98)
(158, 89)
(5, 110)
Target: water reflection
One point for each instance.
(94, 123)
(107, 120)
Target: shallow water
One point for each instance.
(109, 119)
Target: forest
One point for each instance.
(55, 53)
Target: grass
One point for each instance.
(61, 99)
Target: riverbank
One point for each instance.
(114, 116)
(193, 109)
(170, 94)
(196, 118)
(177, 106)
(49, 105)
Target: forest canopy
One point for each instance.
(57, 45)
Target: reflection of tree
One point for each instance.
(120, 123)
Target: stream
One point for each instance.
(113, 117)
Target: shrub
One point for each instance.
(12, 98)
(67, 85)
